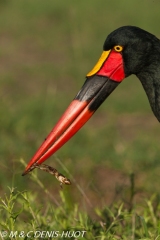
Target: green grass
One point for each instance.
(46, 49)
(21, 216)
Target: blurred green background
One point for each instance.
(46, 49)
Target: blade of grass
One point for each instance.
(75, 182)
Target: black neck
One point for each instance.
(150, 80)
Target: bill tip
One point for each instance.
(24, 173)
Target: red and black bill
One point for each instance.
(99, 84)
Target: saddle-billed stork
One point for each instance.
(127, 50)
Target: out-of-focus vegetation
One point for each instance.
(22, 218)
(46, 49)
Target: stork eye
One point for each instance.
(118, 48)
